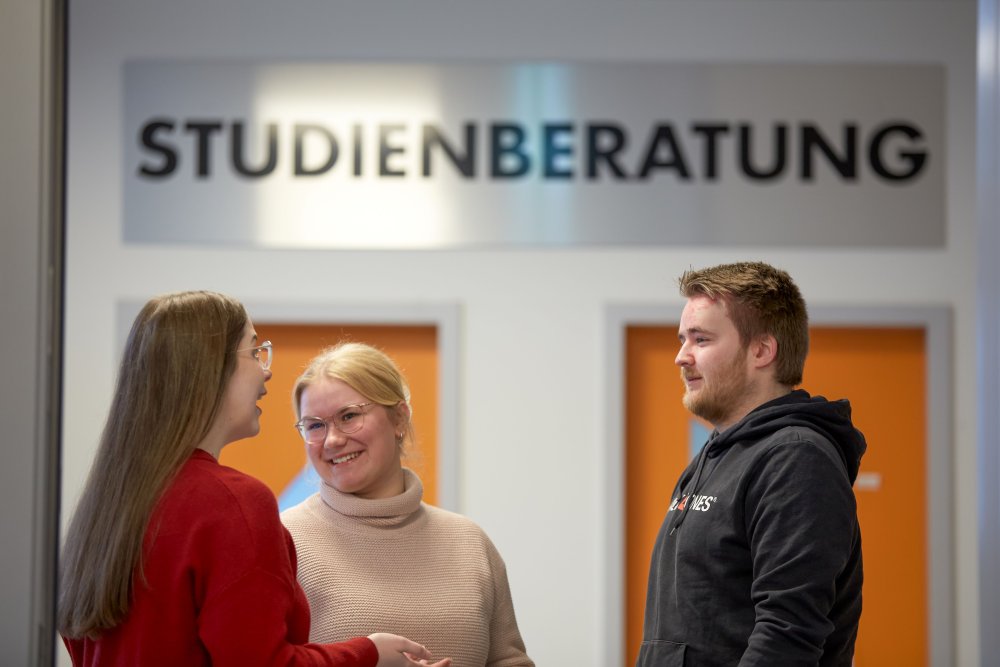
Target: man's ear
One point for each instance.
(764, 350)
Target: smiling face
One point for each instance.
(715, 366)
(365, 463)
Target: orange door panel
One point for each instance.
(883, 373)
(277, 456)
(656, 452)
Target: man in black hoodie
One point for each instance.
(758, 561)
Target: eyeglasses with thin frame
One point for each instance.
(348, 420)
(263, 353)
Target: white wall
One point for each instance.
(532, 322)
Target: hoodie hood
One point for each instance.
(832, 419)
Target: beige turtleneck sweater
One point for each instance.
(399, 565)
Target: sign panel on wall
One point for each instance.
(445, 155)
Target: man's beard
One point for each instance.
(716, 400)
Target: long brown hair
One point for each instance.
(178, 359)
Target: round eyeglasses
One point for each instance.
(263, 353)
(348, 420)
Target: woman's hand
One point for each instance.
(396, 651)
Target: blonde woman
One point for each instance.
(171, 558)
(371, 553)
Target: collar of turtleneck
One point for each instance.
(379, 512)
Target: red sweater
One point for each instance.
(220, 585)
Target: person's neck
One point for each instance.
(754, 401)
(212, 445)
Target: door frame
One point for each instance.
(936, 322)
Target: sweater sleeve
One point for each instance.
(247, 625)
(506, 646)
(802, 522)
(254, 611)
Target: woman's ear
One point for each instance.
(402, 415)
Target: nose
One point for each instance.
(333, 437)
(683, 357)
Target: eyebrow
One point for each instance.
(337, 411)
(693, 330)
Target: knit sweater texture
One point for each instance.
(220, 586)
(399, 565)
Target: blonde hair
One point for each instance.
(365, 369)
(177, 362)
(761, 300)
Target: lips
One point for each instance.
(344, 458)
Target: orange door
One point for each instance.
(277, 456)
(883, 373)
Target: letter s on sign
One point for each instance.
(150, 142)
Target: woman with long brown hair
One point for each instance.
(171, 558)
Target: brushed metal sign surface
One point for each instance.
(465, 155)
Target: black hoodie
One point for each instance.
(758, 561)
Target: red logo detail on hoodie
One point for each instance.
(680, 506)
